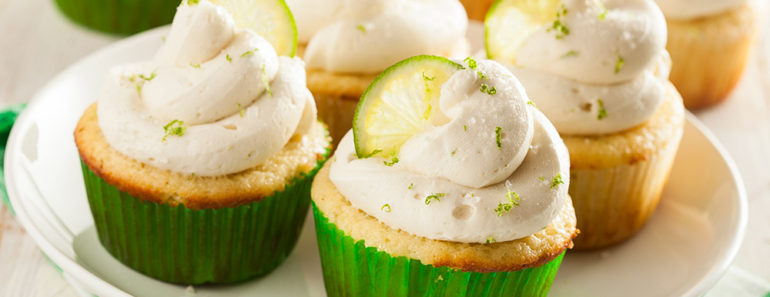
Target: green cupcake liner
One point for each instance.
(181, 245)
(8, 117)
(119, 16)
(350, 268)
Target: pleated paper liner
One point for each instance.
(612, 204)
(180, 245)
(119, 16)
(350, 268)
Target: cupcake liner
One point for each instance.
(119, 16)
(613, 203)
(709, 55)
(350, 268)
(180, 245)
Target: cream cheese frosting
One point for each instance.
(691, 9)
(605, 75)
(235, 100)
(367, 36)
(480, 151)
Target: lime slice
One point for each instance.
(271, 19)
(510, 22)
(399, 103)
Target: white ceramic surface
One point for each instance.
(682, 251)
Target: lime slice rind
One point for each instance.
(398, 104)
(271, 19)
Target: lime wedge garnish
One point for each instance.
(271, 19)
(510, 22)
(399, 103)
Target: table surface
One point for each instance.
(37, 42)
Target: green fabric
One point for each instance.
(8, 116)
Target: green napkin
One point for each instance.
(8, 116)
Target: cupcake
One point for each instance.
(121, 17)
(709, 42)
(198, 163)
(599, 71)
(345, 45)
(449, 184)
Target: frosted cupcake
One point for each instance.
(347, 43)
(449, 184)
(709, 42)
(198, 163)
(599, 71)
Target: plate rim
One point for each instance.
(70, 268)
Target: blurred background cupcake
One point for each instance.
(709, 43)
(119, 16)
(345, 44)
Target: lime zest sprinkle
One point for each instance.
(542, 178)
(374, 152)
(361, 28)
(175, 127)
(465, 128)
(558, 26)
(411, 186)
(499, 137)
(471, 63)
(240, 109)
(392, 161)
(163, 38)
(531, 103)
(569, 54)
(249, 52)
(556, 181)
(491, 239)
(602, 112)
(488, 90)
(266, 81)
(481, 74)
(453, 153)
(228, 58)
(385, 207)
(426, 77)
(196, 66)
(619, 64)
(192, 2)
(148, 78)
(512, 201)
(434, 196)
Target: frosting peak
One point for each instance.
(231, 100)
(367, 36)
(605, 69)
(489, 166)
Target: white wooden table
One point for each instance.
(37, 42)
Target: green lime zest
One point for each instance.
(619, 64)
(392, 161)
(385, 207)
(434, 196)
(488, 90)
(196, 66)
(266, 81)
(558, 26)
(602, 111)
(249, 52)
(556, 181)
(471, 63)
(499, 137)
(491, 239)
(175, 127)
(240, 110)
(361, 28)
(228, 58)
(603, 13)
(192, 2)
(512, 200)
(569, 54)
(411, 186)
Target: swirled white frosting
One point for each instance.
(690, 9)
(238, 101)
(457, 159)
(606, 75)
(367, 36)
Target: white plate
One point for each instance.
(684, 249)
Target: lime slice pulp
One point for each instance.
(399, 103)
(271, 19)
